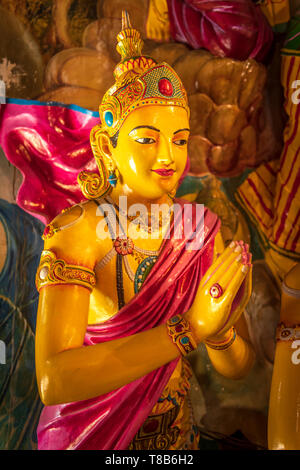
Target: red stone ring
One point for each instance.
(216, 291)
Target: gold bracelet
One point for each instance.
(224, 344)
(179, 330)
(287, 333)
(53, 271)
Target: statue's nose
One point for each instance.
(164, 154)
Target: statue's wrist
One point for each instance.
(195, 326)
(222, 341)
(181, 334)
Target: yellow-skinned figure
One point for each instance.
(124, 296)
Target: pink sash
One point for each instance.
(111, 421)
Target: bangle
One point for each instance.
(53, 271)
(287, 333)
(179, 330)
(225, 343)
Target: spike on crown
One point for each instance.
(130, 43)
(140, 81)
(130, 47)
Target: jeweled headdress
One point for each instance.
(140, 81)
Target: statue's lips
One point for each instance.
(164, 172)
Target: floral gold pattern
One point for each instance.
(93, 185)
(179, 330)
(53, 271)
(49, 231)
(287, 333)
(124, 246)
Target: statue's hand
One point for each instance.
(157, 24)
(223, 293)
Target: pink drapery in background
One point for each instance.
(50, 145)
(227, 28)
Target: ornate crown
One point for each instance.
(140, 81)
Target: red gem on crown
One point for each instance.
(165, 87)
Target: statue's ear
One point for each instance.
(104, 145)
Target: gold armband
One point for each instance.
(287, 333)
(224, 344)
(53, 271)
(179, 330)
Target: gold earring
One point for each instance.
(91, 185)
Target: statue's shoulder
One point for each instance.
(72, 233)
(70, 218)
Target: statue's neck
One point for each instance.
(133, 198)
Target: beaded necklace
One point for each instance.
(123, 247)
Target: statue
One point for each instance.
(123, 300)
(283, 420)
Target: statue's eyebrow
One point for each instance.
(181, 130)
(144, 127)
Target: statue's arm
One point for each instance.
(237, 359)
(68, 371)
(284, 416)
(230, 351)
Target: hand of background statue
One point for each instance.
(223, 293)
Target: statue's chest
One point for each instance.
(120, 274)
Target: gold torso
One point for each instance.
(78, 239)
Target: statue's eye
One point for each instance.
(145, 140)
(180, 142)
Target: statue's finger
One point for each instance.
(222, 262)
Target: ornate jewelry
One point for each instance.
(225, 344)
(142, 272)
(287, 333)
(123, 246)
(216, 291)
(112, 179)
(52, 228)
(53, 271)
(179, 330)
(92, 185)
(139, 221)
(49, 231)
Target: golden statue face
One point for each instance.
(151, 152)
